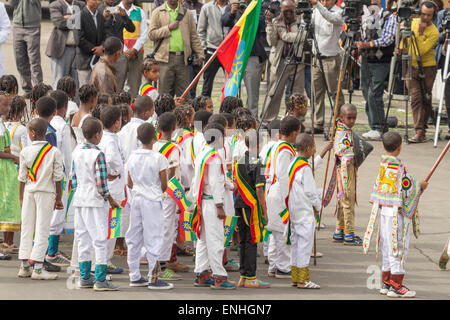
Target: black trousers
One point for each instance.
(209, 75)
(247, 255)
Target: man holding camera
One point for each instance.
(328, 22)
(211, 33)
(255, 63)
(173, 29)
(422, 78)
(281, 35)
(377, 49)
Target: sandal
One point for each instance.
(308, 285)
(444, 258)
(418, 138)
(123, 253)
(9, 249)
(117, 252)
(186, 251)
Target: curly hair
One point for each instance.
(164, 103)
(40, 90)
(86, 92)
(182, 113)
(245, 122)
(148, 64)
(103, 98)
(121, 97)
(229, 104)
(98, 110)
(295, 100)
(241, 111)
(199, 103)
(68, 85)
(18, 105)
(8, 83)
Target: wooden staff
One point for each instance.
(313, 101)
(197, 77)
(332, 139)
(441, 156)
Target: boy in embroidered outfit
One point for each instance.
(395, 195)
(147, 178)
(90, 182)
(207, 222)
(40, 176)
(128, 141)
(250, 206)
(111, 118)
(64, 143)
(166, 126)
(282, 155)
(344, 174)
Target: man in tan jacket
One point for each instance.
(173, 29)
(103, 76)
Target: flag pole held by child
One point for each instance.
(439, 159)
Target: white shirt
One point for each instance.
(94, 16)
(114, 164)
(144, 167)
(239, 149)
(173, 159)
(64, 142)
(72, 108)
(187, 170)
(143, 28)
(5, 29)
(49, 172)
(214, 178)
(128, 140)
(20, 138)
(327, 28)
(264, 150)
(199, 143)
(305, 196)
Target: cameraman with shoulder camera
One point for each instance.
(281, 35)
(173, 29)
(255, 63)
(328, 21)
(377, 49)
(211, 33)
(443, 24)
(420, 86)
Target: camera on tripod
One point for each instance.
(304, 7)
(446, 22)
(406, 11)
(353, 12)
(242, 5)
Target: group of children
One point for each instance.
(98, 166)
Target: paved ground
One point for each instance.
(342, 272)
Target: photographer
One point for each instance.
(211, 33)
(281, 35)
(255, 63)
(443, 23)
(175, 28)
(328, 21)
(377, 49)
(420, 87)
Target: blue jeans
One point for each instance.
(373, 76)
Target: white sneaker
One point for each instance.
(43, 274)
(372, 135)
(58, 260)
(25, 272)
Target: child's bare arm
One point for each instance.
(327, 148)
(163, 177)
(21, 190)
(58, 203)
(262, 202)
(130, 182)
(171, 172)
(423, 185)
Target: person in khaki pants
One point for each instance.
(175, 28)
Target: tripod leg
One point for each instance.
(441, 100)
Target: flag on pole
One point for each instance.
(186, 233)
(176, 191)
(114, 220)
(229, 224)
(235, 49)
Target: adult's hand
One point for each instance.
(173, 25)
(269, 16)
(234, 7)
(121, 12)
(98, 51)
(200, 61)
(67, 16)
(422, 26)
(313, 2)
(131, 54)
(106, 13)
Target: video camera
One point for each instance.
(242, 5)
(304, 7)
(406, 10)
(353, 12)
(446, 22)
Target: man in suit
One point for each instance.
(61, 46)
(89, 39)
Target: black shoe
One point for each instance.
(51, 267)
(5, 256)
(318, 130)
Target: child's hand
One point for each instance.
(178, 211)
(16, 160)
(58, 204)
(113, 203)
(178, 101)
(220, 213)
(423, 185)
(21, 202)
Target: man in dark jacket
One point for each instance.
(255, 63)
(61, 46)
(89, 39)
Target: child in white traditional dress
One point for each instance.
(395, 194)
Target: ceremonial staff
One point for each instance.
(441, 156)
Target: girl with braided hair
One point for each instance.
(69, 86)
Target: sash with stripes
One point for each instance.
(185, 134)
(267, 162)
(146, 88)
(249, 196)
(196, 217)
(167, 149)
(299, 163)
(32, 172)
(282, 146)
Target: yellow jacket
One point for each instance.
(425, 42)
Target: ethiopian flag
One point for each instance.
(114, 220)
(185, 227)
(235, 49)
(176, 191)
(229, 224)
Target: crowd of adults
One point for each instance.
(185, 33)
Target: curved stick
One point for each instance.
(441, 156)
